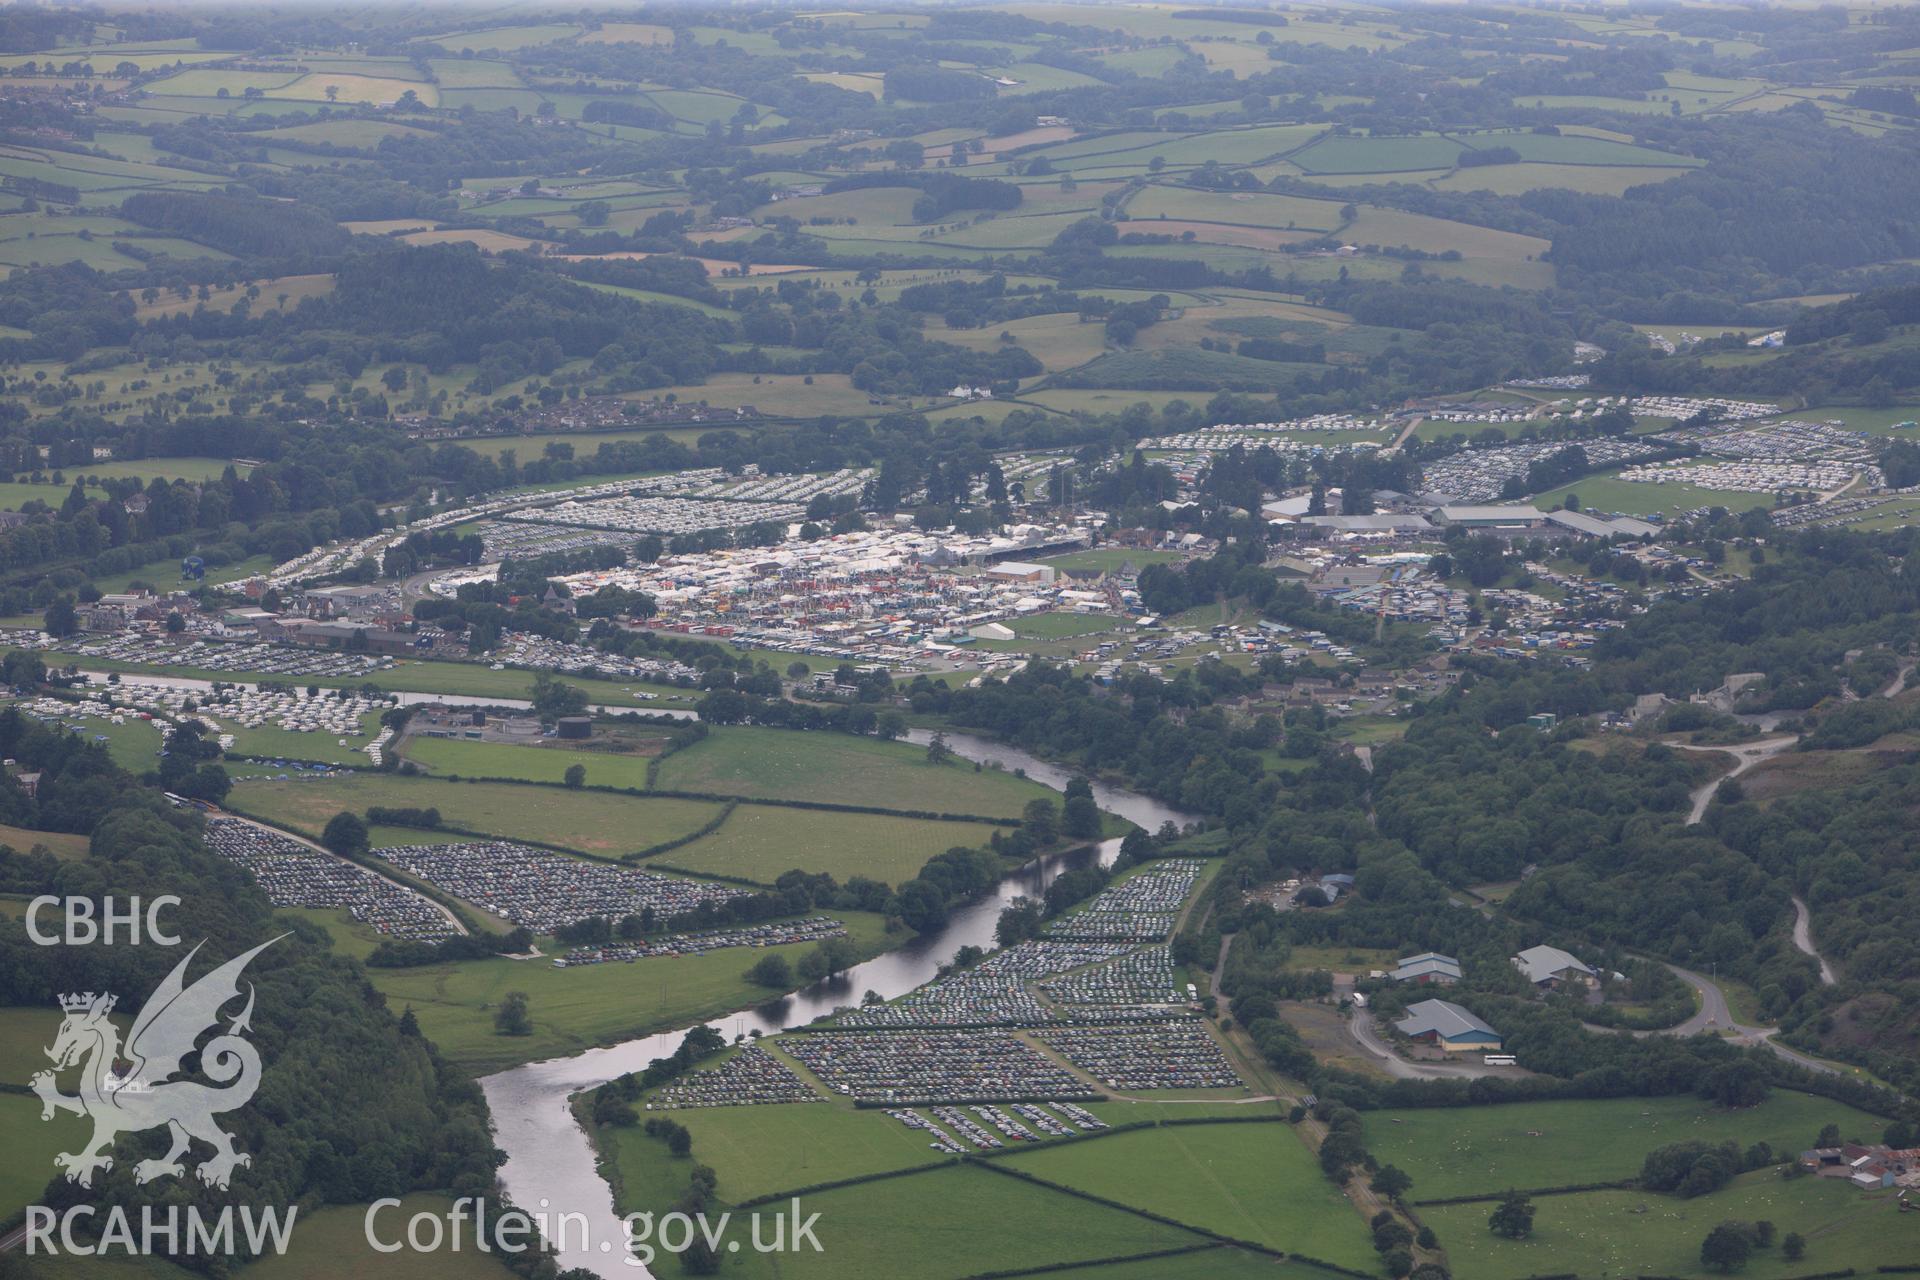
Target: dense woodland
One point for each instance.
(1473, 795)
(357, 1106)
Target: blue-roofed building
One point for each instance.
(1446, 1024)
(1428, 969)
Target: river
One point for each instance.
(550, 1162)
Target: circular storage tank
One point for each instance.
(576, 726)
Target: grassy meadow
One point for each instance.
(577, 1008)
(949, 1223)
(333, 1240)
(1255, 1182)
(1614, 1235)
(759, 842)
(459, 758)
(591, 822)
(782, 764)
(1476, 1150)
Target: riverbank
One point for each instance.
(550, 1157)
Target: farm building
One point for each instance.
(1549, 968)
(1471, 517)
(1283, 508)
(1382, 522)
(339, 635)
(1870, 1168)
(1446, 1024)
(1592, 526)
(1020, 571)
(1329, 889)
(1428, 969)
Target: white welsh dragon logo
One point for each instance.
(144, 1096)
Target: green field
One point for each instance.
(332, 1241)
(592, 822)
(1222, 1262)
(29, 1142)
(1378, 155)
(109, 1267)
(504, 39)
(1518, 179)
(1255, 1182)
(350, 937)
(365, 134)
(1612, 1235)
(25, 1032)
(1059, 340)
(775, 395)
(59, 843)
(1192, 371)
(15, 495)
(1103, 400)
(1639, 498)
(950, 1223)
(1340, 959)
(1238, 208)
(781, 764)
(134, 746)
(574, 1009)
(584, 443)
(1475, 1150)
(1567, 149)
(1390, 228)
(1876, 422)
(453, 757)
(758, 842)
(473, 73)
(664, 299)
(761, 1150)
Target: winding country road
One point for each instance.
(1716, 1018)
(1360, 1026)
(1745, 757)
(1803, 939)
(1899, 683)
(1713, 1017)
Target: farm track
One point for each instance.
(1803, 939)
(1745, 756)
(1715, 1017)
(1360, 1026)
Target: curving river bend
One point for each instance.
(550, 1162)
